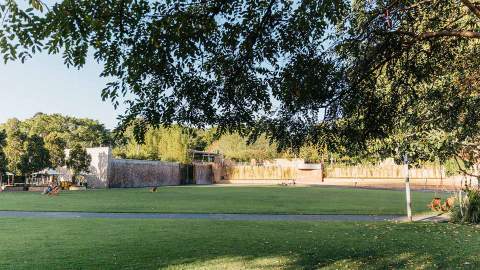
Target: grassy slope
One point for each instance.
(189, 244)
(275, 200)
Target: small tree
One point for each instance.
(78, 161)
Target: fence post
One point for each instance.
(407, 188)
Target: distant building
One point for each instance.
(202, 156)
(7, 180)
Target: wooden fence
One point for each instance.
(387, 176)
(259, 173)
(382, 172)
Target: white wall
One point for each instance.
(99, 167)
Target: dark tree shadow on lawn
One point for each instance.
(335, 246)
(193, 244)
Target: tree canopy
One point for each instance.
(3, 158)
(24, 154)
(36, 156)
(39, 142)
(160, 143)
(412, 76)
(14, 147)
(237, 65)
(67, 130)
(56, 145)
(233, 146)
(364, 76)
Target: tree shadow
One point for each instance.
(98, 171)
(204, 244)
(383, 246)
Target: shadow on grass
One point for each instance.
(201, 244)
(345, 246)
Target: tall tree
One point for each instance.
(3, 158)
(36, 157)
(56, 145)
(25, 154)
(14, 147)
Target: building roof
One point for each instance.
(47, 172)
(203, 153)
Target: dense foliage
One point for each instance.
(369, 77)
(412, 71)
(56, 145)
(37, 143)
(60, 129)
(3, 158)
(40, 142)
(162, 143)
(233, 146)
(173, 144)
(24, 154)
(247, 66)
(36, 156)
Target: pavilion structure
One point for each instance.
(8, 180)
(42, 178)
(203, 157)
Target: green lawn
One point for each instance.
(272, 200)
(202, 244)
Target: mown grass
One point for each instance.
(28, 243)
(270, 200)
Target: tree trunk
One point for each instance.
(407, 189)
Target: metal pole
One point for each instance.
(407, 188)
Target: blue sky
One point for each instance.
(44, 84)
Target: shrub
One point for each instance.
(469, 210)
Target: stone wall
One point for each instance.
(139, 173)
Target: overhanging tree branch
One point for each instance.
(447, 33)
(463, 170)
(442, 33)
(472, 7)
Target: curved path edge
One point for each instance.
(237, 217)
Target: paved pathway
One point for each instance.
(428, 218)
(246, 217)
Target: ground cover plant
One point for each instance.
(268, 200)
(31, 243)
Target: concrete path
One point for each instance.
(436, 218)
(238, 217)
